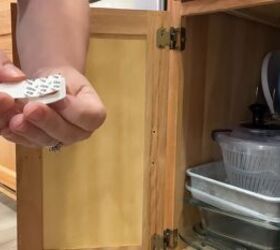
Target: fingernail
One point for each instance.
(12, 70)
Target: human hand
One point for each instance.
(73, 119)
(8, 106)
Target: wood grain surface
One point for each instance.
(119, 22)
(97, 185)
(8, 177)
(116, 189)
(199, 7)
(5, 17)
(7, 152)
(221, 73)
(268, 14)
(128, 151)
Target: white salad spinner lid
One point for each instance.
(265, 136)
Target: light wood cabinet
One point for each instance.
(5, 28)
(7, 150)
(124, 187)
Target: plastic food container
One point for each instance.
(209, 184)
(247, 232)
(252, 158)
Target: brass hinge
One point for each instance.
(169, 240)
(174, 38)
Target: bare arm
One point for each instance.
(52, 37)
(52, 33)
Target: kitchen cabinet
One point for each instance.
(7, 150)
(5, 29)
(124, 187)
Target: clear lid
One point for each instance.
(247, 137)
(256, 133)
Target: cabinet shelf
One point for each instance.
(269, 15)
(198, 7)
(262, 11)
(7, 167)
(8, 177)
(8, 192)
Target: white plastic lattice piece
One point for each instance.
(45, 89)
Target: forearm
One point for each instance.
(52, 33)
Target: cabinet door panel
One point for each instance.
(101, 180)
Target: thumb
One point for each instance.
(8, 71)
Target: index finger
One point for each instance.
(6, 102)
(8, 71)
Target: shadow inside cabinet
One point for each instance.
(222, 71)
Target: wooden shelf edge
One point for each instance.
(8, 177)
(198, 7)
(247, 15)
(8, 192)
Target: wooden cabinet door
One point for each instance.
(105, 193)
(209, 88)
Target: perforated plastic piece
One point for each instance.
(45, 89)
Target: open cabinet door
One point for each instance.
(104, 193)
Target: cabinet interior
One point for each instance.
(221, 67)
